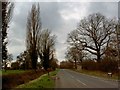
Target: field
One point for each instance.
(8, 72)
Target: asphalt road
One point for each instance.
(72, 79)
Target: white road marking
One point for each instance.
(78, 81)
(72, 76)
(76, 85)
(101, 79)
(81, 82)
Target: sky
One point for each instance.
(59, 17)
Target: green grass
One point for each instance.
(42, 82)
(11, 72)
(98, 74)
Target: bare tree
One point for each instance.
(33, 32)
(74, 55)
(7, 10)
(54, 63)
(94, 33)
(46, 48)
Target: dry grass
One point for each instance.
(99, 74)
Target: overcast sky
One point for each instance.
(59, 17)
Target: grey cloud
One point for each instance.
(109, 9)
(17, 31)
(17, 42)
(119, 9)
(50, 16)
(19, 20)
(52, 19)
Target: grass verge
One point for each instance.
(98, 74)
(42, 82)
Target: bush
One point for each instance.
(106, 65)
(66, 65)
(15, 65)
(89, 65)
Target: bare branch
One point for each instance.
(93, 33)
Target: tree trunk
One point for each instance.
(48, 73)
(98, 56)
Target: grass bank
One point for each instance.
(98, 74)
(13, 80)
(42, 82)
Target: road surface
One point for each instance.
(72, 79)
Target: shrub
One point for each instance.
(108, 65)
(89, 65)
(15, 65)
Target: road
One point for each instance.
(72, 79)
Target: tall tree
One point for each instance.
(7, 10)
(33, 30)
(46, 48)
(94, 33)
